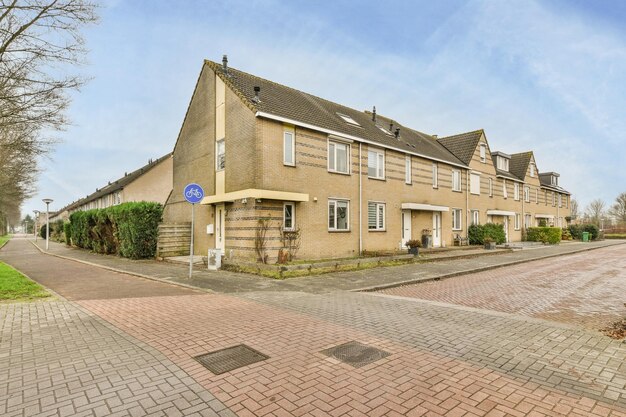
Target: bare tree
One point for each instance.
(40, 41)
(595, 211)
(618, 209)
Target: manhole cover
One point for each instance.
(226, 360)
(356, 354)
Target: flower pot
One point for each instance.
(490, 245)
(414, 251)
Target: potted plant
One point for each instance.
(414, 246)
(489, 243)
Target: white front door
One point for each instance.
(436, 229)
(506, 228)
(406, 226)
(220, 227)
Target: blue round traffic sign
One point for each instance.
(193, 193)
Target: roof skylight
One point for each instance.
(348, 119)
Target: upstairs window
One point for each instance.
(516, 191)
(527, 194)
(456, 180)
(536, 196)
(348, 119)
(560, 201)
(553, 199)
(490, 187)
(483, 153)
(289, 149)
(475, 184)
(220, 155)
(376, 216)
(435, 175)
(407, 170)
(338, 156)
(505, 193)
(376, 164)
(503, 163)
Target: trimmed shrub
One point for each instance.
(551, 235)
(67, 230)
(495, 231)
(478, 232)
(42, 231)
(129, 229)
(576, 231)
(593, 230)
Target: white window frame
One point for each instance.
(435, 175)
(528, 220)
(532, 170)
(293, 216)
(456, 180)
(518, 221)
(348, 119)
(458, 226)
(483, 153)
(527, 194)
(516, 195)
(333, 202)
(220, 164)
(560, 199)
(490, 187)
(333, 158)
(379, 216)
(553, 199)
(292, 154)
(379, 160)
(503, 163)
(408, 171)
(536, 196)
(475, 217)
(505, 193)
(473, 190)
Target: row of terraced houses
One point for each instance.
(348, 180)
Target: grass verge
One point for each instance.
(16, 287)
(3, 240)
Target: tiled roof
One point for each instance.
(462, 145)
(506, 174)
(288, 103)
(117, 184)
(519, 164)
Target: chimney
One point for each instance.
(374, 114)
(435, 136)
(225, 64)
(257, 90)
(397, 133)
(391, 126)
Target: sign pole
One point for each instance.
(191, 248)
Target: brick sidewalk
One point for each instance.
(56, 360)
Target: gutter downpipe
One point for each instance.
(360, 204)
(467, 184)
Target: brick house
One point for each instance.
(348, 180)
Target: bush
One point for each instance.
(129, 229)
(42, 231)
(576, 231)
(565, 234)
(615, 236)
(478, 233)
(67, 230)
(551, 235)
(593, 230)
(56, 231)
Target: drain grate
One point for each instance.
(356, 354)
(228, 359)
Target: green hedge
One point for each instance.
(550, 235)
(576, 230)
(615, 236)
(67, 231)
(129, 229)
(478, 232)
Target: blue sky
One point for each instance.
(543, 76)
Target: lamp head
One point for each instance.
(47, 200)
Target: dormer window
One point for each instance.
(503, 163)
(348, 119)
(555, 180)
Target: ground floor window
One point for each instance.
(289, 216)
(475, 217)
(456, 219)
(528, 220)
(376, 216)
(518, 219)
(338, 214)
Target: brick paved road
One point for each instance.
(586, 289)
(134, 356)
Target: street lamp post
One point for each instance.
(47, 201)
(36, 220)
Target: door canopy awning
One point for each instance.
(423, 207)
(255, 193)
(500, 213)
(544, 216)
